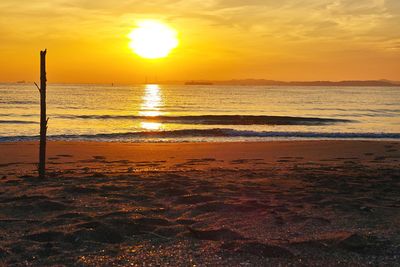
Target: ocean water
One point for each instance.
(168, 113)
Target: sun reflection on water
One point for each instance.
(151, 106)
(151, 126)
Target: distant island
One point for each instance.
(263, 82)
(260, 82)
(198, 83)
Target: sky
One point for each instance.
(301, 40)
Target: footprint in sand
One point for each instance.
(284, 160)
(220, 234)
(194, 199)
(238, 161)
(258, 249)
(99, 157)
(94, 232)
(169, 231)
(185, 221)
(47, 236)
(203, 161)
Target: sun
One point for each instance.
(153, 39)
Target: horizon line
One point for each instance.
(217, 82)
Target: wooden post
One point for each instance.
(43, 118)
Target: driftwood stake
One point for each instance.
(43, 118)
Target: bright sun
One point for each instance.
(153, 39)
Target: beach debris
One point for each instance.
(43, 117)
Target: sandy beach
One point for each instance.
(282, 203)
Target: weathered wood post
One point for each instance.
(43, 118)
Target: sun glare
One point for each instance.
(153, 39)
(151, 107)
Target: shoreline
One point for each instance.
(75, 155)
(223, 204)
(246, 141)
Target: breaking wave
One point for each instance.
(194, 134)
(216, 119)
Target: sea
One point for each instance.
(200, 113)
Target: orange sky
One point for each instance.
(219, 39)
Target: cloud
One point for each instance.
(260, 20)
(286, 31)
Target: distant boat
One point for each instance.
(21, 82)
(198, 83)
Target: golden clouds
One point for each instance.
(220, 39)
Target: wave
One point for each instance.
(16, 102)
(192, 134)
(217, 119)
(17, 122)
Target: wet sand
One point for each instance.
(300, 203)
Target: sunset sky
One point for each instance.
(88, 42)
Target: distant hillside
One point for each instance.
(310, 83)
